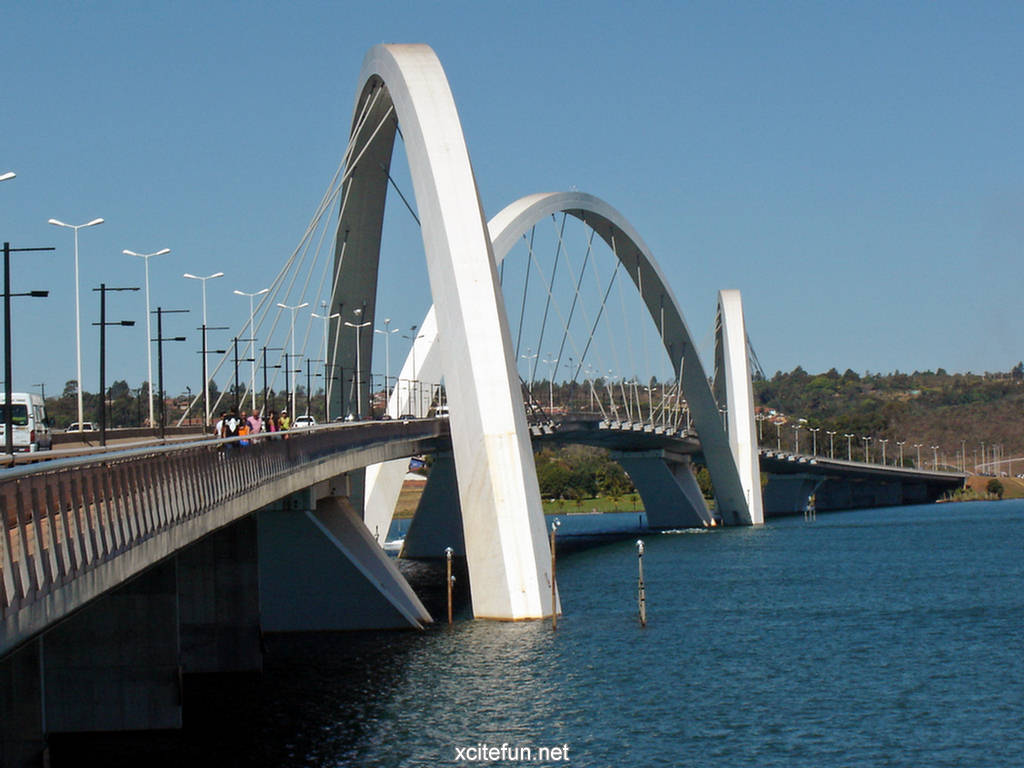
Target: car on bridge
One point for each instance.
(303, 421)
(30, 428)
(87, 426)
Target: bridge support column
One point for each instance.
(21, 700)
(438, 520)
(218, 601)
(113, 666)
(789, 494)
(667, 486)
(321, 569)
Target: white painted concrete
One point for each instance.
(733, 370)
(506, 543)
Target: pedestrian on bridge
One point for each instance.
(270, 423)
(255, 423)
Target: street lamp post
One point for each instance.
(883, 441)
(238, 360)
(551, 384)
(831, 444)
(935, 458)
(103, 353)
(796, 437)
(867, 448)
(529, 357)
(252, 341)
(849, 446)
(814, 439)
(149, 333)
(8, 363)
(206, 377)
(358, 312)
(160, 339)
(293, 309)
(78, 312)
(266, 392)
(412, 386)
(327, 319)
(918, 446)
(900, 444)
(388, 330)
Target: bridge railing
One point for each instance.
(65, 517)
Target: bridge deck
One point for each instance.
(75, 527)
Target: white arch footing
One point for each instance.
(734, 389)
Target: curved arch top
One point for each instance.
(736, 479)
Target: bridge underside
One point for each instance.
(791, 481)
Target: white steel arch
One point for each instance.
(506, 544)
(736, 476)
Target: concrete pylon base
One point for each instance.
(21, 727)
(219, 602)
(113, 666)
(668, 488)
(438, 521)
(322, 570)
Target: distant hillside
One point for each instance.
(952, 411)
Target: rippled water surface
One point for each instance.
(886, 637)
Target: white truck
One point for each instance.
(28, 416)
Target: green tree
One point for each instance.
(994, 487)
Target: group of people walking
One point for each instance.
(232, 424)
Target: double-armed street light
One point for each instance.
(388, 330)
(327, 380)
(103, 290)
(935, 458)
(206, 378)
(814, 439)
(413, 338)
(900, 444)
(918, 446)
(358, 312)
(528, 357)
(234, 346)
(252, 340)
(78, 312)
(831, 443)
(849, 446)
(149, 333)
(867, 448)
(293, 309)
(160, 339)
(883, 441)
(8, 363)
(266, 392)
(796, 437)
(553, 362)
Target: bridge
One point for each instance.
(123, 570)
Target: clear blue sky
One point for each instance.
(856, 169)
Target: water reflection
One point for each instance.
(847, 641)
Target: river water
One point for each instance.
(889, 637)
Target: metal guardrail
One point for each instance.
(65, 517)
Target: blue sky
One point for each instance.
(854, 168)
